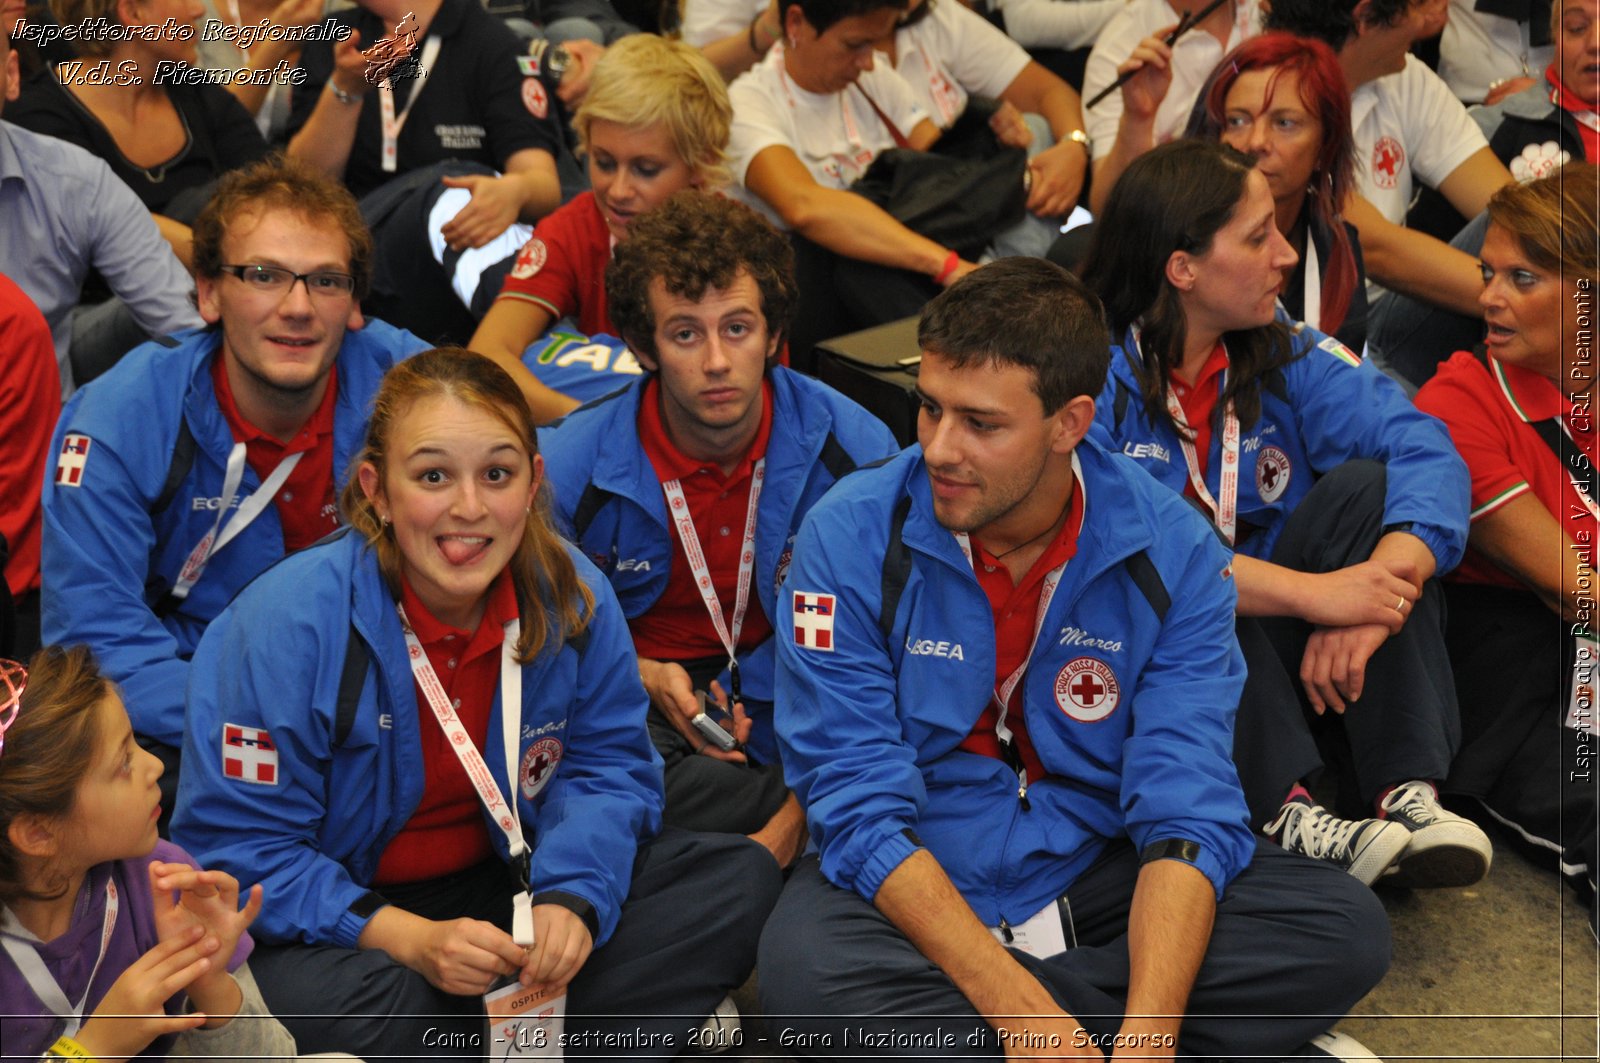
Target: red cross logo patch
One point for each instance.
(1087, 690)
(1387, 159)
(539, 766)
(530, 260)
(1272, 474)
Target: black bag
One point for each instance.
(958, 195)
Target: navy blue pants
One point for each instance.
(687, 938)
(1406, 724)
(1296, 943)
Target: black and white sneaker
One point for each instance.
(1444, 849)
(1363, 847)
(720, 1032)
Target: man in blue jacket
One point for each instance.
(187, 470)
(1006, 687)
(737, 450)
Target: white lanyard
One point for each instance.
(194, 565)
(854, 157)
(38, 976)
(1225, 511)
(393, 124)
(678, 509)
(1002, 694)
(505, 815)
(939, 89)
(1311, 307)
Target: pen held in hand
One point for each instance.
(1185, 24)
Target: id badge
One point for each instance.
(1581, 700)
(525, 1023)
(1041, 936)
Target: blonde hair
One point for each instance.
(643, 80)
(553, 602)
(1554, 220)
(74, 12)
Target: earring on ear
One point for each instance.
(383, 519)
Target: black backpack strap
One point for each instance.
(836, 459)
(589, 504)
(1144, 575)
(896, 567)
(178, 469)
(1119, 405)
(353, 676)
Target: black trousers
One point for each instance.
(687, 937)
(1406, 724)
(1295, 944)
(1513, 662)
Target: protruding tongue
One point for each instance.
(460, 551)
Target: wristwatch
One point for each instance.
(342, 96)
(1082, 138)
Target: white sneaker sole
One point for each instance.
(1444, 855)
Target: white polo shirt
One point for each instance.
(1194, 56)
(952, 53)
(836, 135)
(1408, 127)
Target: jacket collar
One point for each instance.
(795, 441)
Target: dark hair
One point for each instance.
(1324, 93)
(1025, 312)
(1175, 198)
(822, 14)
(554, 604)
(695, 242)
(1332, 21)
(277, 183)
(49, 748)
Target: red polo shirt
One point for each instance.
(1198, 403)
(447, 832)
(307, 508)
(1016, 610)
(1489, 411)
(677, 627)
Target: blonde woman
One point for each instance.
(654, 121)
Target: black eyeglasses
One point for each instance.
(275, 280)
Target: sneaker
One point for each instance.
(1363, 847)
(1445, 849)
(1343, 1046)
(720, 1032)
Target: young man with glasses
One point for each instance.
(189, 469)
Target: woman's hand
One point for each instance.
(1334, 668)
(130, 1015)
(1057, 179)
(561, 947)
(1374, 592)
(1009, 127)
(350, 66)
(1152, 58)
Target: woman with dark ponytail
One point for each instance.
(1340, 499)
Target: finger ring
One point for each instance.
(1400, 606)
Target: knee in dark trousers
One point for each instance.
(1338, 522)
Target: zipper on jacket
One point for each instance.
(1013, 759)
(1005, 932)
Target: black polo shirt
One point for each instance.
(474, 104)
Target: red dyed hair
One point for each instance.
(1324, 93)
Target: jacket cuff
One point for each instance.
(1442, 542)
(889, 854)
(354, 919)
